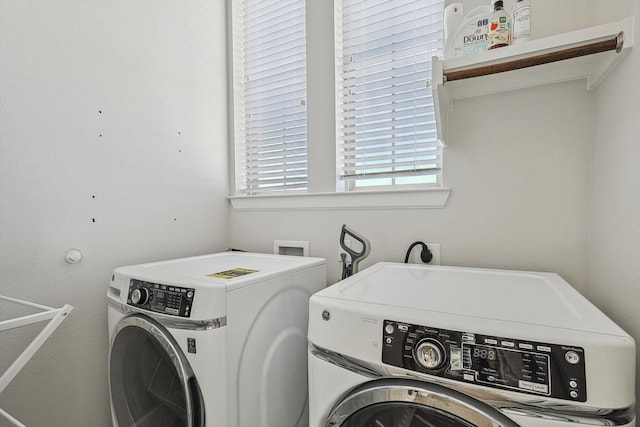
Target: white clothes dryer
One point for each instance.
(211, 341)
(423, 346)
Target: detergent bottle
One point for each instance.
(465, 36)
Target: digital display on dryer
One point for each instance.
(515, 369)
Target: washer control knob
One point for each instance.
(139, 296)
(429, 354)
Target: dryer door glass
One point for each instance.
(394, 402)
(150, 380)
(394, 414)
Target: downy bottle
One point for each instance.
(521, 21)
(499, 27)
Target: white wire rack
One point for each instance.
(55, 316)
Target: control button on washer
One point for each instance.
(573, 384)
(544, 348)
(389, 328)
(572, 357)
(573, 394)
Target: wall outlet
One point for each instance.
(414, 258)
(435, 251)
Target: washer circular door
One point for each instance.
(150, 379)
(412, 403)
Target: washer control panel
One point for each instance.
(537, 368)
(165, 299)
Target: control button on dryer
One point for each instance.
(389, 328)
(525, 385)
(467, 337)
(573, 394)
(544, 348)
(542, 388)
(572, 357)
(573, 384)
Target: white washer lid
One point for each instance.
(241, 268)
(515, 296)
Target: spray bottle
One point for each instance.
(521, 21)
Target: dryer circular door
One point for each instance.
(150, 379)
(412, 403)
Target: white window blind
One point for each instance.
(270, 129)
(385, 105)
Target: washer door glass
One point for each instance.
(397, 402)
(394, 414)
(151, 381)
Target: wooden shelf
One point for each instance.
(590, 54)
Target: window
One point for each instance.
(374, 126)
(270, 117)
(386, 117)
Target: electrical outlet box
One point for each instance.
(414, 258)
(435, 251)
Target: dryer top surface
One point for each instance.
(225, 270)
(513, 296)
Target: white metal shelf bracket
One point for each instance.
(55, 316)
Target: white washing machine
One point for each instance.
(217, 340)
(431, 346)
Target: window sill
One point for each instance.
(394, 199)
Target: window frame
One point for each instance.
(324, 185)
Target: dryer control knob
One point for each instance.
(139, 296)
(430, 354)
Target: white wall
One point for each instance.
(113, 111)
(614, 232)
(519, 193)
